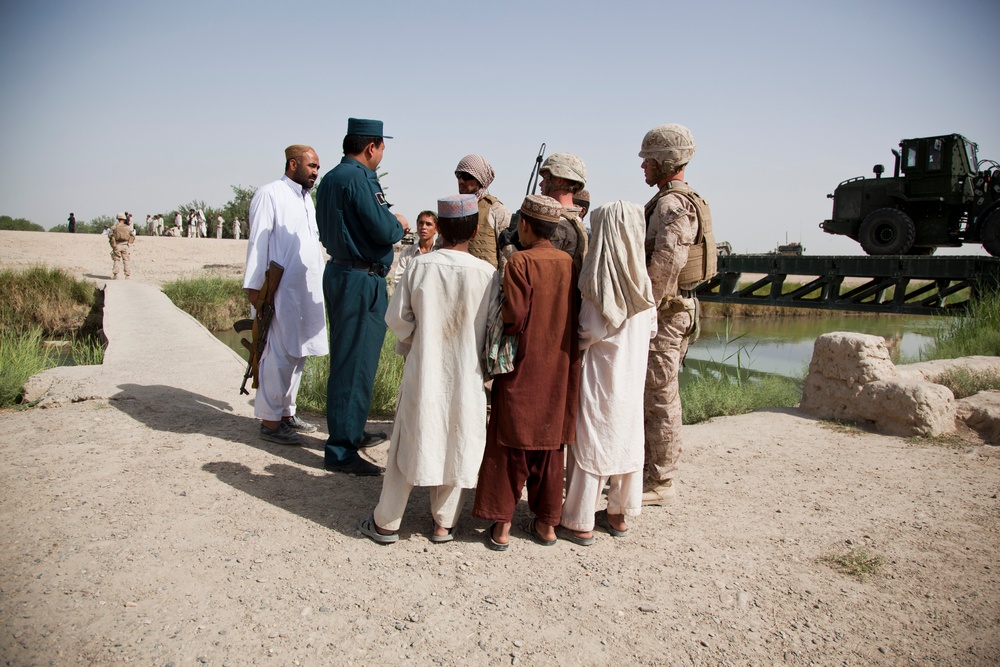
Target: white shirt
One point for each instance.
(283, 229)
(439, 313)
(609, 421)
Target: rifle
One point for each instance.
(510, 236)
(260, 324)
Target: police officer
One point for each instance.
(358, 231)
(680, 253)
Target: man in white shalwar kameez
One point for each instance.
(439, 312)
(283, 230)
(617, 321)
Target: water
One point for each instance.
(783, 345)
(778, 345)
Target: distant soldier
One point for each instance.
(582, 201)
(121, 237)
(680, 253)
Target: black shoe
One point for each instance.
(297, 424)
(358, 467)
(372, 439)
(281, 434)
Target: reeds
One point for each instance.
(214, 301)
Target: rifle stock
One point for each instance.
(261, 323)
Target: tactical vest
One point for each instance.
(121, 233)
(484, 244)
(702, 261)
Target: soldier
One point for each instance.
(680, 253)
(121, 237)
(563, 176)
(582, 201)
(474, 175)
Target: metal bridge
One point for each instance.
(889, 284)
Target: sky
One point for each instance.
(113, 106)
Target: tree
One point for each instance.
(8, 223)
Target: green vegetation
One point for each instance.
(858, 562)
(711, 396)
(41, 303)
(388, 376)
(976, 332)
(964, 382)
(21, 356)
(8, 223)
(48, 299)
(214, 301)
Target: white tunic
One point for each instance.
(283, 229)
(439, 313)
(609, 422)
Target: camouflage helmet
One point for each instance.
(565, 165)
(670, 144)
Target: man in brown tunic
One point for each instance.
(534, 407)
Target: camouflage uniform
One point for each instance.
(671, 232)
(121, 238)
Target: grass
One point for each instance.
(964, 382)
(48, 299)
(21, 356)
(214, 301)
(388, 376)
(87, 351)
(857, 562)
(975, 332)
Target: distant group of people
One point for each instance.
(579, 336)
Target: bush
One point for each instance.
(976, 332)
(8, 223)
(49, 299)
(710, 396)
(21, 356)
(216, 302)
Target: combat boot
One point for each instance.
(661, 494)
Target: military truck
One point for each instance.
(940, 195)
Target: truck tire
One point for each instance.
(989, 232)
(887, 231)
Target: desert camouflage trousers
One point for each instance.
(122, 255)
(662, 399)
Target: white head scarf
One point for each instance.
(614, 274)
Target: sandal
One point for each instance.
(566, 534)
(492, 544)
(601, 519)
(529, 528)
(439, 539)
(368, 528)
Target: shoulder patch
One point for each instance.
(381, 199)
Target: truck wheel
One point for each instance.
(887, 231)
(989, 233)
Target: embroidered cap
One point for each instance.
(458, 206)
(365, 127)
(542, 208)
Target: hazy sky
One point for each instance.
(111, 106)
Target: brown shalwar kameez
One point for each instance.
(534, 407)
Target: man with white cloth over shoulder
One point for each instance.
(283, 230)
(617, 321)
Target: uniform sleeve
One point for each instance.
(672, 223)
(517, 292)
(261, 226)
(499, 219)
(382, 227)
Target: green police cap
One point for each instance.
(364, 127)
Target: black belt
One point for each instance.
(373, 268)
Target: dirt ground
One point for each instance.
(162, 531)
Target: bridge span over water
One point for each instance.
(891, 284)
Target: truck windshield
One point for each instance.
(970, 152)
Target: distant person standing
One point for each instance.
(159, 224)
(202, 224)
(149, 224)
(236, 228)
(283, 230)
(72, 223)
(192, 230)
(358, 230)
(121, 237)
(179, 222)
(219, 222)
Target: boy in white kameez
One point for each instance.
(617, 321)
(439, 312)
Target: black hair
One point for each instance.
(543, 229)
(355, 143)
(457, 230)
